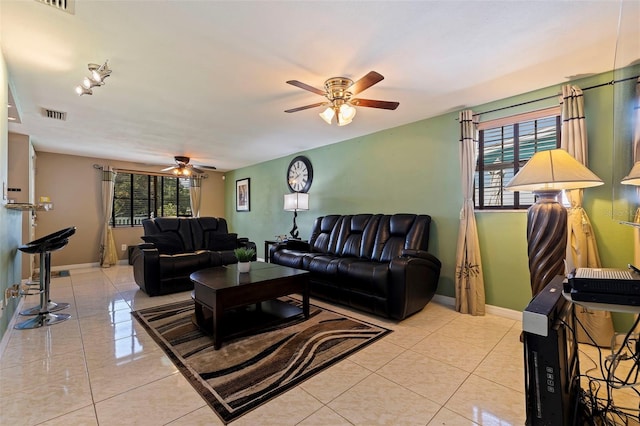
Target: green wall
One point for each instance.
(10, 220)
(415, 168)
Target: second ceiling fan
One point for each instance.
(340, 103)
(183, 168)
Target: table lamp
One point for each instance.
(633, 178)
(292, 203)
(547, 174)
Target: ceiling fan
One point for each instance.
(339, 92)
(183, 168)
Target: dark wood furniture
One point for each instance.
(217, 291)
(267, 246)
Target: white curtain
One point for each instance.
(108, 254)
(195, 194)
(582, 250)
(469, 282)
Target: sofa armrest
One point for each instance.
(422, 255)
(413, 282)
(298, 245)
(146, 267)
(244, 242)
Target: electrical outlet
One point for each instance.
(124, 247)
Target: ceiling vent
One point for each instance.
(68, 6)
(54, 115)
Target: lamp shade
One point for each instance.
(553, 170)
(633, 178)
(296, 201)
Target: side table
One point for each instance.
(267, 246)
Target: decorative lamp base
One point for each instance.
(547, 239)
(294, 230)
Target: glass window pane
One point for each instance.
(184, 201)
(122, 200)
(499, 148)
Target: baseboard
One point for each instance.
(76, 266)
(5, 337)
(490, 309)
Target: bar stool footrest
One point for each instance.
(51, 307)
(42, 320)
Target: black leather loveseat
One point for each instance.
(375, 263)
(175, 247)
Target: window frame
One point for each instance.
(155, 197)
(500, 123)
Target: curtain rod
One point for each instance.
(609, 83)
(144, 172)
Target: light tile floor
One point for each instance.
(100, 367)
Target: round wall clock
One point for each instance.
(299, 174)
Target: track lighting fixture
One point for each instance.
(83, 91)
(98, 74)
(89, 82)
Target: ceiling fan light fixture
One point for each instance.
(347, 112)
(327, 115)
(342, 121)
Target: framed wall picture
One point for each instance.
(242, 195)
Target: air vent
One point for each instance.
(55, 115)
(68, 6)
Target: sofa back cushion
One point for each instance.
(398, 232)
(357, 236)
(196, 233)
(177, 225)
(211, 233)
(166, 242)
(325, 234)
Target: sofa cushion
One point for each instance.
(183, 264)
(220, 242)
(166, 242)
(364, 276)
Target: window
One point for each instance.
(140, 196)
(505, 145)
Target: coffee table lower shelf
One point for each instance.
(246, 320)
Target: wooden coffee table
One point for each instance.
(217, 291)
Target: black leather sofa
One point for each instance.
(175, 247)
(375, 263)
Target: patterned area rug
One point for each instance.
(252, 368)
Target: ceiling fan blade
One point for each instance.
(168, 168)
(207, 167)
(365, 82)
(306, 87)
(375, 104)
(306, 107)
(196, 170)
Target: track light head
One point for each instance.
(89, 82)
(100, 73)
(83, 91)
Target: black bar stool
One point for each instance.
(34, 247)
(43, 313)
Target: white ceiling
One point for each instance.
(206, 79)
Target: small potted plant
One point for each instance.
(244, 256)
